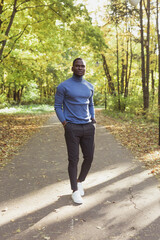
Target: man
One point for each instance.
(75, 109)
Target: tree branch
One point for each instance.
(8, 28)
(20, 34)
(23, 3)
(1, 11)
(37, 6)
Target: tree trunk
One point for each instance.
(19, 94)
(2, 84)
(148, 53)
(107, 73)
(8, 29)
(122, 76)
(105, 95)
(158, 36)
(15, 94)
(1, 11)
(117, 37)
(9, 93)
(128, 48)
(145, 102)
(126, 73)
(131, 58)
(153, 84)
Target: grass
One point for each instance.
(151, 118)
(28, 109)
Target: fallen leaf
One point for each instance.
(47, 238)
(5, 209)
(83, 220)
(98, 227)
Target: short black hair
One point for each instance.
(76, 60)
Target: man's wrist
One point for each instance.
(64, 123)
(93, 120)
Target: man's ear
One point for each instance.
(72, 69)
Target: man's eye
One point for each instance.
(80, 66)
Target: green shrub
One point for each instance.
(31, 93)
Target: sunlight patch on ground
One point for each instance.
(39, 199)
(34, 126)
(99, 190)
(121, 211)
(100, 177)
(32, 202)
(152, 161)
(8, 110)
(154, 155)
(27, 109)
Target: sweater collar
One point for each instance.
(77, 78)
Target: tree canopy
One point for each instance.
(40, 39)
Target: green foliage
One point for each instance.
(42, 40)
(131, 104)
(3, 99)
(31, 93)
(46, 36)
(151, 116)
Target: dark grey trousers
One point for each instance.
(79, 135)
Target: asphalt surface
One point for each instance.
(121, 202)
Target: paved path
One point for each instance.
(122, 200)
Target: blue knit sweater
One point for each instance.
(74, 101)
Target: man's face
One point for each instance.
(79, 68)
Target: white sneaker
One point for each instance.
(80, 188)
(76, 197)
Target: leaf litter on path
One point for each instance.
(15, 130)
